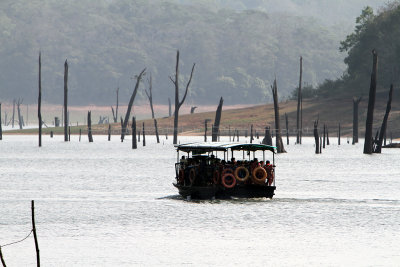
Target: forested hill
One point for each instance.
(108, 42)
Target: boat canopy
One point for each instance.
(204, 147)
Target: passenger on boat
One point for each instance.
(233, 161)
(270, 172)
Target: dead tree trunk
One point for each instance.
(2, 258)
(128, 112)
(192, 109)
(80, 134)
(215, 129)
(144, 136)
(66, 101)
(35, 235)
(156, 129)
(339, 135)
(298, 102)
(237, 136)
(267, 138)
(134, 143)
(150, 97)
(115, 116)
(169, 107)
(1, 129)
(251, 134)
(382, 133)
(89, 119)
(371, 106)
(109, 132)
(287, 129)
(20, 119)
(229, 133)
(13, 116)
(316, 137)
(178, 103)
(39, 101)
(205, 129)
(279, 143)
(327, 136)
(356, 101)
(323, 139)
(320, 144)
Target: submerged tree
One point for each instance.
(115, 116)
(279, 143)
(150, 97)
(382, 132)
(215, 128)
(40, 100)
(299, 99)
(66, 101)
(178, 103)
(128, 112)
(368, 149)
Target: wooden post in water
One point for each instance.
(80, 134)
(51, 134)
(134, 143)
(34, 234)
(39, 102)
(138, 135)
(89, 119)
(109, 132)
(327, 136)
(205, 130)
(237, 136)
(69, 133)
(320, 145)
(339, 135)
(287, 129)
(323, 145)
(144, 136)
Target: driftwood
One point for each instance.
(39, 101)
(356, 101)
(128, 112)
(279, 143)
(378, 147)
(299, 99)
(89, 119)
(215, 128)
(65, 100)
(178, 103)
(368, 149)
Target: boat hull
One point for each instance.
(220, 192)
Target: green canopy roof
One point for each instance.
(218, 146)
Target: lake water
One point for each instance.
(104, 204)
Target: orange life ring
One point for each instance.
(192, 175)
(181, 176)
(256, 175)
(216, 177)
(238, 171)
(229, 180)
(226, 170)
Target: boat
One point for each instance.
(211, 171)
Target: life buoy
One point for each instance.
(228, 180)
(181, 176)
(192, 175)
(216, 177)
(239, 170)
(226, 170)
(259, 175)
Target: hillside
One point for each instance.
(237, 53)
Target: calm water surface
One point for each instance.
(104, 204)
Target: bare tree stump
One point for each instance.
(80, 134)
(35, 235)
(324, 140)
(287, 129)
(134, 143)
(316, 137)
(251, 134)
(267, 138)
(89, 119)
(144, 136)
(65, 101)
(371, 106)
(39, 102)
(384, 123)
(339, 135)
(279, 143)
(109, 132)
(215, 128)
